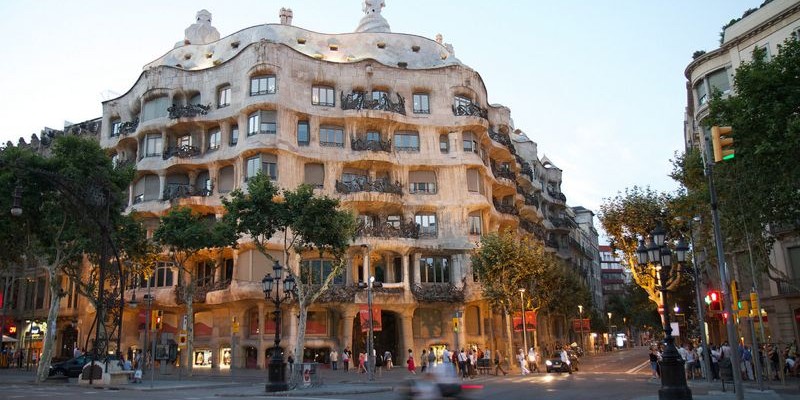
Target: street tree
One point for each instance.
(186, 234)
(627, 218)
(298, 221)
(72, 188)
(506, 262)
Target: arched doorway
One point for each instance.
(69, 339)
(388, 338)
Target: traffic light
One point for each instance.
(722, 141)
(744, 308)
(754, 306)
(156, 320)
(736, 304)
(715, 300)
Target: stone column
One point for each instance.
(365, 267)
(415, 257)
(407, 331)
(162, 183)
(348, 316)
(261, 345)
(406, 272)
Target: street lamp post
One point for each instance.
(610, 346)
(371, 324)
(276, 378)
(673, 375)
(580, 320)
(524, 323)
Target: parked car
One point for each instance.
(74, 366)
(554, 363)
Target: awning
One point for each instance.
(8, 339)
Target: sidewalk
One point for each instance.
(702, 390)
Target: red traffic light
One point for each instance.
(714, 296)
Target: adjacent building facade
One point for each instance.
(394, 125)
(766, 28)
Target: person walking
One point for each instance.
(410, 362)
(498, 363)
(716, 356)
(424, 361)
(387, 360)
(362, 358)
(565, 359)
(462, 363)
(521, 360)
(346, 359)
(654, 362)
(533, 362)
(747, 362)
(431, 358)
(334, 359)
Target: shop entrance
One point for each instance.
(388, 338)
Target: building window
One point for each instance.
(322, 96)
(204, 273)
(421, 103)
(317, 270)
(155, 108)
(264, 121)
(226, 275)
(444, 143)
(422, 182)
(473, 180)
(434, 269)
(224, 96)
(163, 275)
(234, 135)
(379, 95)
(264, 84)
(461, 101)
(303, 137)
(253, 167)
(406, 141)
(373, 137)
(315, 175)
(475, 223)
(214, 139)
(153, 145)
(765, 48)
(718, 81)
(426, 224)
(331, 136)
(470, 144)
(115, 125)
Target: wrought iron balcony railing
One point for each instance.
(536, 230)
(789, 287)
(502, 139)
(437, 293)
(359, 144)
(361, 101)
(470, 109)
(365, 185)
(506, 208)
(176, 191)
(408, 230)
(126, 128)
(187, 111)
(501, 172)
(182, 151)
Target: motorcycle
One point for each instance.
(441, 382)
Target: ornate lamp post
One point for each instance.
(370, 339)
(276, 377)
(673, 376)
(524, 323)
(580, 320)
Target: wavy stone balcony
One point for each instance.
(538, 231)
(126, 128)
(378, 185)
(504, 173)
(503, 139)
(358, 144)
(438, 293)
(360, 101)
(187, 111)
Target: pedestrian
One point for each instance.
(472, 363)
(654, 362)
(565, 359)
(362, 358)
(716, 357)
(76, 352)
(498, 363)
(747, 362)
(346, 359)
(410, 362)
(431, 358)
(387, 360)
(334, 359)
(424, 361)
(521, 360)
(533, 362)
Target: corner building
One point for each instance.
(392, 124)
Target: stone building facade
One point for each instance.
(394, 125)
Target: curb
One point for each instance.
(306, 393)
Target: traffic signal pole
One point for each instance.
(726, 286)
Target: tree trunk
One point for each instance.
(189, 298)
(300, 343)
(50, 334)
(510, 355)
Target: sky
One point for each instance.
(599, 85)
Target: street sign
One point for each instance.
(182, 339)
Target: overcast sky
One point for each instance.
(599, 85)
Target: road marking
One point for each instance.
(638, 367)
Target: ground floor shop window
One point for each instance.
(203, 358)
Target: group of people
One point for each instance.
(359, 362)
